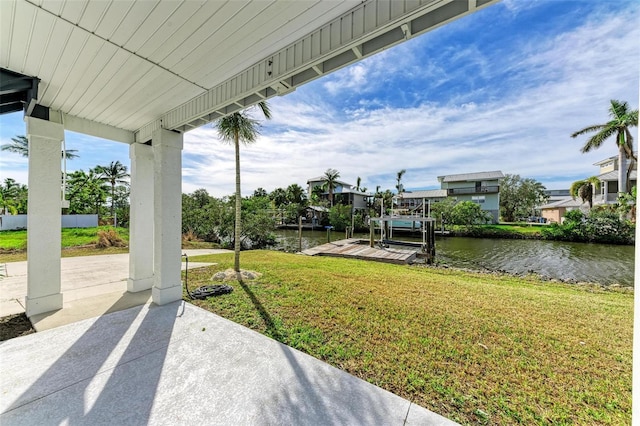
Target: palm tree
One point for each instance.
(399, 175)
(235, 128)
(358, 182)
(116, 174)
(20, 145)
(621, 120)
(295, 194)
(331, 182)
(585, 189)
(87, 191)
(8, 195)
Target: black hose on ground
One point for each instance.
(205, 291)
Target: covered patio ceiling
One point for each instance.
(122, 69)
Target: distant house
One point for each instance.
(608, 176)
(555, 210)
(411, 201)
(343, 193)
(482, 188)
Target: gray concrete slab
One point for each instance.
(102, 277)
(180, 365)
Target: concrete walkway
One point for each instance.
(91, 286)
(180, 365)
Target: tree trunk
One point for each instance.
(113, 197)
(622, 170)
(238, 224)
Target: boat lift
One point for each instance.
(427, 226)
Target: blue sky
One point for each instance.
(501, 89)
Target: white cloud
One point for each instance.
(352, 78)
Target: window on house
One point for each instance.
(479, 199)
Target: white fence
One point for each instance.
(19, 221)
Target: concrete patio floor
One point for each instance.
(91, 286)
(178, 364)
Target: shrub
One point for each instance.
(109, 238)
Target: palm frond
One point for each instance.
(596, 140)
(588, 130)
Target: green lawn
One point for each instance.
(71, 237)
(475, 348)
(75, 242)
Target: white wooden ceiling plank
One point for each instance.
(157, 106)
(138, 93)
(204, 33)
(97, 54)
(71, 66)
(286, 33)
(95, 92)
(243, 31)
(38, 45)
(20, 36)
(170, 26)
(127, 77)
(7, 22)
(93, 15)
(112, 18)
(53, 6)
(135, 17)
(72, 10)
(151, 27)
(57, 42)
(192, 24)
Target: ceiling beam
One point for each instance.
(88, 127)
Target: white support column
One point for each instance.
(44, 221)
(141, 214)
(167, 216)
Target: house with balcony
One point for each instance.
(482, 188)
(412, 202)
(608, 176)
(343, 193)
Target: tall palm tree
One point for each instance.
(235, 128)
(358, 182)
(331, 182)
(115, 174)
(20, 145)
(622, 118)
(399, 175)
(585, 189)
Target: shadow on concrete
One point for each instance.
(320, 394)
(106, 373)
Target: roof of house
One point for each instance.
(608, 159)
(428, 193)
(466, 177)
(318, 209)
(354, 191)
(568, 202)
(324, 179)
(613, 176)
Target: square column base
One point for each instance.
(141, 284)
(162, 296)
(40, 305)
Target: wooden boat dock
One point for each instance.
(356, 248)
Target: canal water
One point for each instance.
(600, 263)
